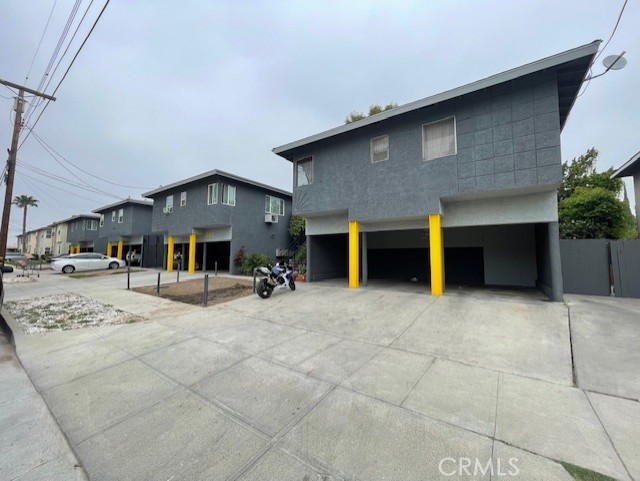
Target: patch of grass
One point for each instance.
(583, 474)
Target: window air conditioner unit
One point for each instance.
(271, 218)
(167, 210)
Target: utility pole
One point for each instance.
(11, 161)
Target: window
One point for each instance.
(101, 221)
(120, 216)
(439, 139)
(92, 224)
(113, 216)
(273, 205)
(304, 171)
(48, 234)
(183, 199)
(47, 250)
(228, 194)
(380, 148)
(168, 204)
(212, 194)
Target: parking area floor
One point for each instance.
(326, 381)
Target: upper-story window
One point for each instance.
(92, 224)
(212, 194)
(101, 222)
(380, 148)
(113, 216)
(228, 194)
(120, 216)
(439, 139)
(168, 204)
(304, 171)
(183, 199)
(273, 205)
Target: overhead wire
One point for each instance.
(41, 38)
(66, 72)
(35, 179)
(47, 146)
(55, 53)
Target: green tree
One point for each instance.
(589, 202)
(23, 202)
(296, 225)
(373, 110)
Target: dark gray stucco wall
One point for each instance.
(327, 257)
(246, 218)
(548, 259)
(507, 136)
(80, 233)
(136, 221)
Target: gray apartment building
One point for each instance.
(460, 186)
(125, 225)
(208, 218)
(82, 233)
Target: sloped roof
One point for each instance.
(147, 203)
(572, 66)
(631, 167)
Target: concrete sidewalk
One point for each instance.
(367, 384)
(32, 446)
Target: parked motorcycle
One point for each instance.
(279, 276)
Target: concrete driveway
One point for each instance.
(326, 381)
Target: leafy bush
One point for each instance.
(300, 257)
(251, 261)
(237, 260)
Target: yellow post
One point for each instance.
(354, 255)
(109, 249)
(436, 255)
(192, 253)
(120, 249)
(170, 254)
(78, 249)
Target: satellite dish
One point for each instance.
(614, 62)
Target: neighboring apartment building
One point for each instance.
(461, 185)
(125, 224)
(31, 243)
(39, 241)
(209, 217)
(632, 169)
(82, 234)
(59, 243)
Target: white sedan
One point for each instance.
(86, 261)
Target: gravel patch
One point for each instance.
(62, 312)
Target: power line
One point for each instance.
(58, 188)
(40, 42)
(67, 71)
(39, 139)
(614, 30)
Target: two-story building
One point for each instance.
(208, 218)
(59, 242)
(461, 185)
(125, 224)
(82, 233)
(29, 244)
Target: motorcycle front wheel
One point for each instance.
(292, 285)
(264, 290)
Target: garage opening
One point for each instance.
(216, 252)
(328, 256)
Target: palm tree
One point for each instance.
(24, 201)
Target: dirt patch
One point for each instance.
(221, 289)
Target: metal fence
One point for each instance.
(601, 267)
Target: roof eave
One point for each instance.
(629, 168)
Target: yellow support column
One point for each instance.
(170, 254)
(78, 249)
(354, 255)
(109, 248)
(192, 253)
(120, 249)
(436, 254)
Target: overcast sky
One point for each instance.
(164, 90)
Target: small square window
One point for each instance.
(113, 216)
(183, 199)
(120, 216)
(274, 205)
(304, 171)
(380, 148)
(228, 194)
(212, 194)
(439, 139)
